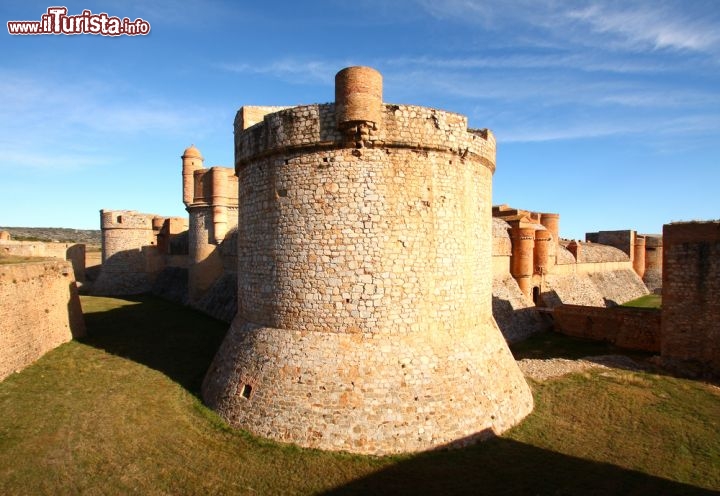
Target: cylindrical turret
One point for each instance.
(541, 253)
(219, 200)
(639, 256)
(551, 222)
(358, 96)
(192, 160)
(521, 261)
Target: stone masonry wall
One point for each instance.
(40, 310)
(632, 328)
(691, 293)
(618, 286)
(599, 288)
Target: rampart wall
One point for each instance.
(631, 328)
(73, 252)
(40, 310)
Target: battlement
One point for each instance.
(125, 219)
(215, 186)
(357, 119)
(308, 127)
(250, 115)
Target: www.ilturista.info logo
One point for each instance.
(56, 21)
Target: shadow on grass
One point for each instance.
(175, 340)
(551, 344)
(507, 467)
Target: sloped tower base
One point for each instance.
(367, 394)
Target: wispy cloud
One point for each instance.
(563, 60)
(631, 25)
(44, 124)
(651, 25)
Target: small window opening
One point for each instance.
(536, 295)
(246, 391)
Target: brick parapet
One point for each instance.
(125, 219)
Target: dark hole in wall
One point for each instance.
(246, 391)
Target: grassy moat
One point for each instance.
(647, 301)
(118, 413)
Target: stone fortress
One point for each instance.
(368, 278)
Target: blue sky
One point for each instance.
(607, 112)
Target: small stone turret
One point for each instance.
(551, 222)
(358, 98)
(541, 253)
(192, 160)
(522, 259)
(639, 256)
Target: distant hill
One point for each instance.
(57, 234)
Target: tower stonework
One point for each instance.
(364, 280)
(210, 197)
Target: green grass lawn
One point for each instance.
(118, 413)
(647, 301)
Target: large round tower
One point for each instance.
(364, 280)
